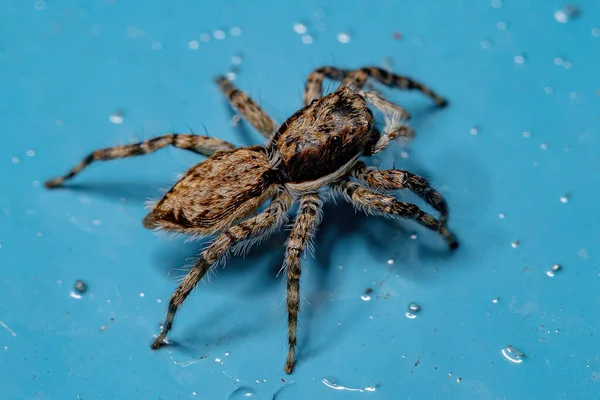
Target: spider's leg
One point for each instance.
(198, 144)
(247, 107)
(313, 89)
(388, 108)
(252, 227)
(307, 220)
(357, 79)
(376, 203)
(394, 179)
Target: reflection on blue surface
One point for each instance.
(516, 154)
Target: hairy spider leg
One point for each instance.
(375, 203)
(307, 221)
(394, 179)
(252, 227)
(198, 144)
(251, 111)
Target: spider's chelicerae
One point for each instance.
(318, 146)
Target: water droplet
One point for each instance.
(243, 393)
(501, 216)
(81, 286)
(564, 199)
(485, 44)
(116, 117)
(558, 61)
(573, 95)
(414, 307)
(159, 300)
(596, 32)
(193, 393)
(501, 26)
(526, 134)
(5, 348)
(74, 295)
(219, 34)
(39, 234)
(142, 294)
(156, 46)
(544, 146)
(553, 269)
(15, 160)
(205, 37)
(515, 244)
(390, 261)
(194, 44)
(96, 222)
(519, 59)
(300, 28)
(404, 154)
(548, 90)
(495, 301)
(230, 75)
(235, 31)
(343, 37)
(583, 253)
(496, 3)
(365, 297)
(566, 13)
(458, 380)
(39, 5)
(236, 60)
(30, 153)
(474, 130)
(217, 360)
(413, 236)
(513, 355)
(307, 39)
(330, 383)
(227, 353)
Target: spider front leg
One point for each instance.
(399, 179)
(356, 79)
(375, 203)
(247, 107)
(198, 144)
(257, 226)
(307, 220)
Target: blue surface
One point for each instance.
(67, 68)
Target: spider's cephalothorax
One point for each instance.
(318, 146)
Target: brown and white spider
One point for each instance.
(318, 146)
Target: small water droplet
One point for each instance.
(236, 60)
(501, 216)
(194, 44)
(219, 34)
(596, 32)
(235, 31)
(474, 130)
(193, 393)
(513, 355)
(501, 26)
(544, 146)
(414, 307)
(5, 348)
(526, 134)
(496, 3)
(573, 95)
(558, 61)
(300, 28)
(30, 153)
(515, 244)
(343, 37)
(39, 5)
(495, 301)
(404, 154)
(81, 286)
(307, 39)
(156, 46)
(548, 90)
(96, 222)
(458, 380)
(485, 44)
(142, 294)
(413, 236)
(230, 75)
(39, 234)
(205, 37)
(15, 160)
(330, 383)
(390, 261)
(159, 300)
(75, 295)
(226, 353)
(365, 297)
(116, 117)
(564, 199)
(243, 393)
(567, 13)
(519, 59)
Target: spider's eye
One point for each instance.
(337, 139)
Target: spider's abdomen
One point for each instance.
(216, 193)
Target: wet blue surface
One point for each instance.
(66, 69)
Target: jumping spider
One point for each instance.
(318, 146)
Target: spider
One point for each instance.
(318, 146)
